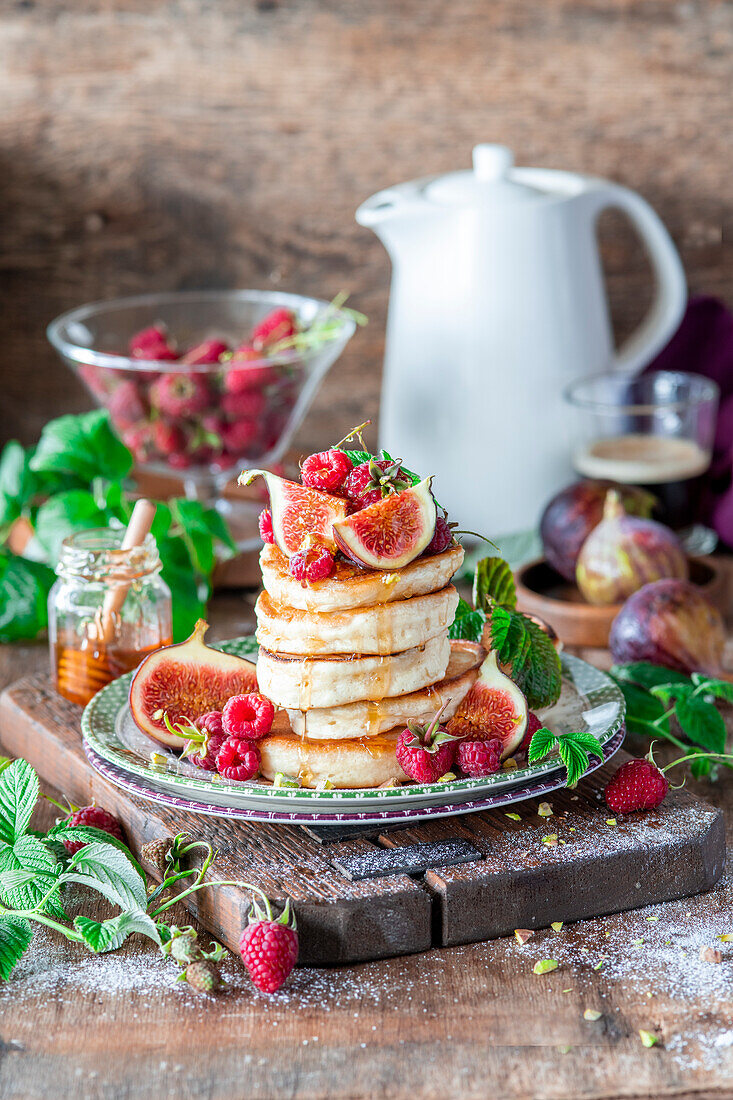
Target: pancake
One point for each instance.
(304, 682)
(381, 629)
(368, 718)
(351, 586)
(346, 764)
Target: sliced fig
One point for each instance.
(392, 532)
(494, 707)
(298, 511)
(186, 681)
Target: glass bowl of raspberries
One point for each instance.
(204, 383)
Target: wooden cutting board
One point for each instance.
(364, 893)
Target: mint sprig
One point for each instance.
(655, 696)
(574, 748)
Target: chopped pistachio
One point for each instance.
(610, 821)
(523, 934)
(564, 1050)
(544, 966)
(448, 777)
(324, 785)
(726, 937)
(509, 764)
(544, 809)
(283, 780)
(514, 817)
(550, 840)
(648, 1038)
(637, 943)
(567, 990)
(556, 925)
(652, 918)
(592, 1014)
(598, 965)
(158, 758)
(571, 828)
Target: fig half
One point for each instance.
(186, 681)
(298, 511)
(494, 707)
(392, 532)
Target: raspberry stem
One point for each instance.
(723, 756)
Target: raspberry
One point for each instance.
(637, 785)
(477, 758)
(208, 351)
(247, 371)
(239, 438)
(180, 394)
(126, 406)
(203, 975)
(246, 404)
(140, 441)
(265, 524)
(442, 538)
(269, 948)
(152, 343)
(313, 564)
(361, 484)
(96, 818)
(533, 724)
(180, 461)
(211, 725)
(238, 760)
(276, 326)
(425, 752)
(247, 717)
(167, 438)
(325, 471)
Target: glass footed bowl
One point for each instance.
(208, 428)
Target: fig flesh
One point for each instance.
(569, 518)
(392, 532)
(186, 681)
(298, 512)
(623, 553)
(669, 623)
(494, 707)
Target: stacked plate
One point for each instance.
(129, 759)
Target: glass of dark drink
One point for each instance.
(655, 431)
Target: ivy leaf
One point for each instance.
(15, 936)
(647, 675)
(644, 713)
(702, 724)
(493, 583)
(108, 871)
(18, 796)
(24, 589)
(468, 624)
(82, 445)
(110, 934)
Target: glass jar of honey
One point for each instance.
(108, 609)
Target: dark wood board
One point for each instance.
(516, 880)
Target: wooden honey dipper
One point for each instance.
(82, 672)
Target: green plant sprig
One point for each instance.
(574, 748)
(655, 696)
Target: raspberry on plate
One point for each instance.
(269, 948)
(264, 523)
(325, 471)
(425, 752)
(180, 394)
(312, 565)
(479, 758)
(248, 717)
(211, 726)
(277, 325)
(637, 785)
(96, 818)
(237, 759)
(533, 724)
(442, 538)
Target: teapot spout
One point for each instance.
(392, 213)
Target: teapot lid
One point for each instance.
(490, 181)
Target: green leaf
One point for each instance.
(721, 689)
(108, 871)
(644, 713)
(493, 583)
(540, 675)
(647, 675)
(190, 593)
(28, 853)
(574, 757)
(11, 880)
(15, 937)
(13, 464)
(64, 515)
(667, 693)
(358, 457)
(700, 767)
(18, 796)
(85, 446)
(88, 834)
(110, 934)
(702, 723)
(24, 589)
(542, 743)
(468, 624)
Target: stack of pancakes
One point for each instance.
(351, 659)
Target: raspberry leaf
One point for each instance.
(29, 854)
(702, 723)
(24, 589)
(15, 937)
(110, 934)
(82, 445)
(721, 689)
(645, 715)
(88, 834)
(468, 624)
(522, 643)
(18, 796)
(493, 583)
(108, 871)
(574, 749)
(542, 743)
(647, 675)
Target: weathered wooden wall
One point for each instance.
(151, 144)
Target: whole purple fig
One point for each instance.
(669, 623)
(625, 552)
(572, 514)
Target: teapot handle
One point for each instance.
(670, 299)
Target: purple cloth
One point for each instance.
(703, 344)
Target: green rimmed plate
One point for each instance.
(589, 700)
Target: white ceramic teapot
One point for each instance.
(497, 302)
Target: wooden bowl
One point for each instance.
(541, 591)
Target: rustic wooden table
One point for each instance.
(467, 1021)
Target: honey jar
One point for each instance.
(108, 609)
